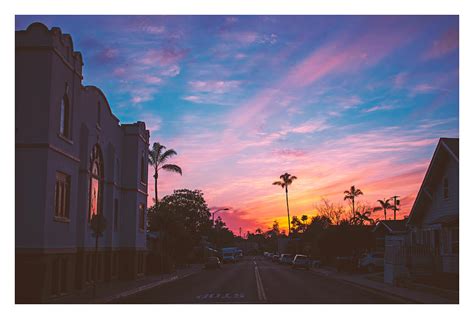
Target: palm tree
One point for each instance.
(351, 195)
(304, 218)
(384, 205)
(360, 219)
(285, 181)
(157, 157)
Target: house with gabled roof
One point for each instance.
(434, 218)
(388, 227)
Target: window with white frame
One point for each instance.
(64, 111)
(61, 195)
(141, 217)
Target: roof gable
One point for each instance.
(447, 147)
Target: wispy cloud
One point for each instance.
(380, 107)
(163, 57)
(214, 86)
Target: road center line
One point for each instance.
(260, 290)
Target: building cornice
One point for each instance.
(47, 146)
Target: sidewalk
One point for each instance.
(408, 295)
(112, 291)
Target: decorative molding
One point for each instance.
(48, 146)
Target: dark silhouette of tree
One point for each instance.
(351, 195)
(304, 219)
(362, 218)
(285, 181)
(334, 213)
(182, 218)
(158, 155)
(296, 225)
(384, 205)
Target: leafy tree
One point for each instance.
(182, 218)
(296, 225)
(384, 205)
(157, 157)
(285, 181)
(351, 195)
(220, 235)
(304, 219)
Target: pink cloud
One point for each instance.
(315, 125)
(400, 79)
(119, 71)
(163, 57)
(243, 37)
(214, 86)
(423, 88)
(150, 79)
(448, 42)
(290, 153)
(142, 94)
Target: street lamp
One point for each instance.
(216, 211)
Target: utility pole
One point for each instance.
(396, 203)
(240, 232)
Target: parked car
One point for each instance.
(228, 257)
(301, 261)
(212, 262)
(286, 259)
(371, 261)
(275, 258)
(239, 255)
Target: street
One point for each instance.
(257, 280)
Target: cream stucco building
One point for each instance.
(73, 159)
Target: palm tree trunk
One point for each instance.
(156, 185)
(287, 209)
(353, 206)
(385, 213)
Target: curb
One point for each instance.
(392, 296)
(142, 288)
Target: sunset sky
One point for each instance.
(335, 100)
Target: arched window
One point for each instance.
(96, 182)
(64, 117)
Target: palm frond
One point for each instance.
(166, 155)
(172, 168)
(279, 183)
(154, 153)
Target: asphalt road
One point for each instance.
(257, 280)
